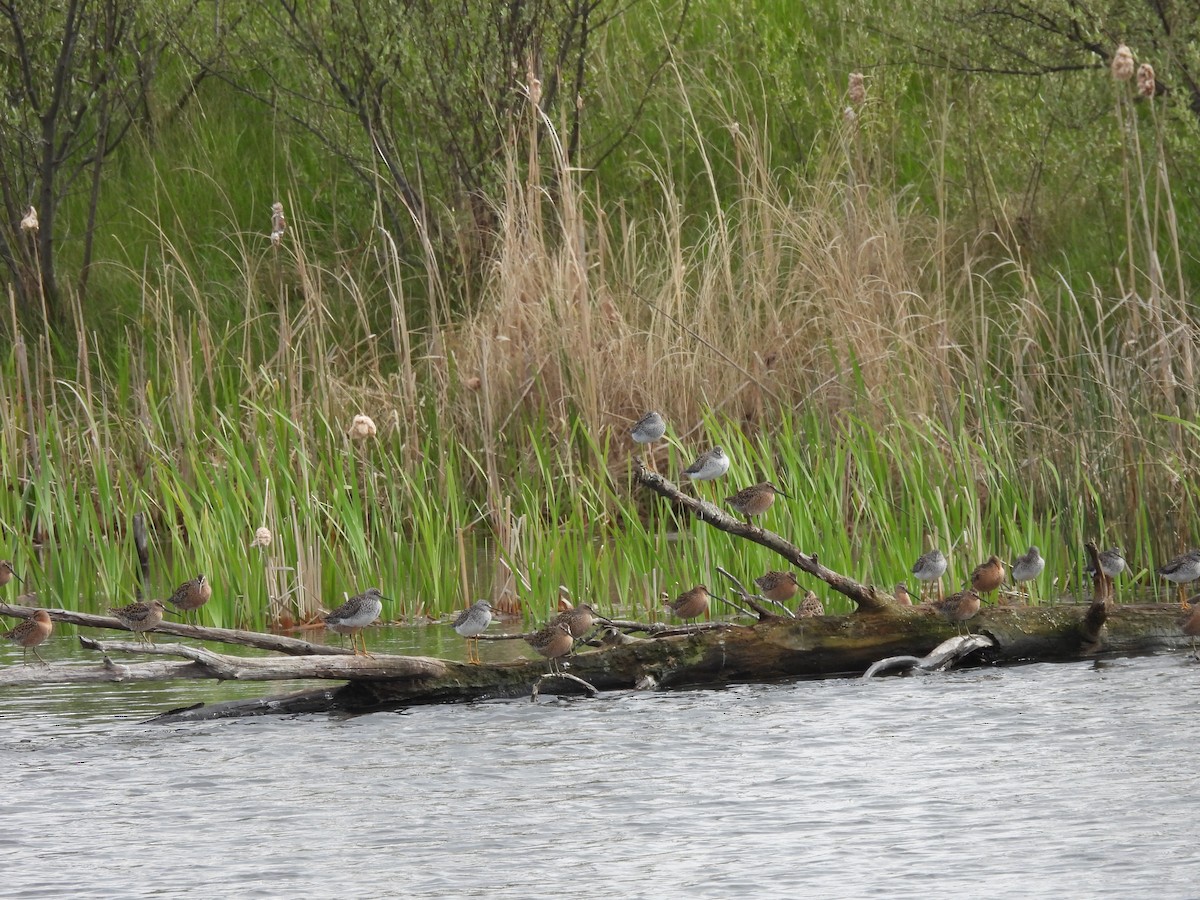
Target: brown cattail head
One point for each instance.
(858, 91)
(30, 222)
(362, 427)
(1145, 80)
(1122, 64)
(262, 537)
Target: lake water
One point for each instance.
(1067, 780)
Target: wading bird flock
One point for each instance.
(556, 638)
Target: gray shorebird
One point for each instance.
(1181, 570)
(959, 607)
(690, 604)
(708, 465)
(988, 575)
(30, 633)
(356, 614)
(754, 500)
(778, 586)
(649, 428)
(552, 641)
(1028, 566)
(929, 567)
(810, 606)
(141, 617)
(1112, 562)
(471, 623)
(7, 573)
(192, 594)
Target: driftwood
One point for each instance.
(772, 646)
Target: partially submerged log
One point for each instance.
(773, 647)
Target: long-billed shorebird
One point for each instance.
(579, 619)
(141, 617)
(902, 595)
(929, 567)
(1182, 570)
(552, 641)
(691, 604)
(988, 575)
(356, 614)
(191, 595)
(1191, 626)
(778, 587)
(7, 573)
(1028, 566)
(754, 500)
(810, 606)
(471, 623)
(959, 607)
(30, 633)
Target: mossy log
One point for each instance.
(774, 647)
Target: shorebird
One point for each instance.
(778, 586)
(1191, 626)
(1028, 566)
(30, 633)
(552, 641)
(1112, 562)
(1181, 570)
(959, 607)
(754, 500)
(810, 606)
(192, 594)
(708, 465)
(931, 566)
(140, 617)
(902, 595)
(648, 429)
(579, 619)
(471, 623)
(988, 575)
(690, 604)
(356, 614)
(7, 574)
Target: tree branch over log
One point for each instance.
(866, 598)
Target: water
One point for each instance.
(1060, 780)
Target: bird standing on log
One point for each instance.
(472, 622)
(929, 567)
(191, 595)
(356, 614)
(140, 617)
(754, 500)
(1182, 570)
(30, 633)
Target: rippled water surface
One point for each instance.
(1068, 780)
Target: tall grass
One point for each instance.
(907, 385)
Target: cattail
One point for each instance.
(473, 383)
(278, 222)
(30, 222)
(1122, 64)
(362, 427)
(535, 87)
(262, 537)
(858, 91)
(1145, 80)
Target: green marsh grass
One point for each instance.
(906, 386)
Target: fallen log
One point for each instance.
(773, 647)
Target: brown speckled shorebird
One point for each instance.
(579, 619)
(7, 573)
(140, 617)
(960, 607)
(191, 595)
(690, 604)
(810, 606)
(754, 500)
(30, 633)
(988, 575)
(929, 567)
(1182, 570)
(356, 614)
(472, 622)
(778, 586)
(1028, 566)
(1191, 626)
(902, 595)
(552, 641)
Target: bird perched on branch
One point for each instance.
(471, 623)
(929, 567)
(1028, 566)
(192, 594)
(552, 641)
(988, 575)
(708, 465)
(1182, 570)
(959, 607)
(691, 604)
(140, 617)
(754, 500)
(778, 586)
(356, 614)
